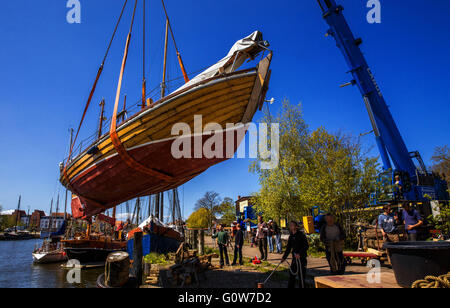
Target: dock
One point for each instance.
(358, 281)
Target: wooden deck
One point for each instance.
(358, 281)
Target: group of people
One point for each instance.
(391, 225)
(265, 235)
(331, 234)
(223, 240)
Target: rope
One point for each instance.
(180, 60)
(433, 282)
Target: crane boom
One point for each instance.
(389, 140)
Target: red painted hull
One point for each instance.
(112, 182)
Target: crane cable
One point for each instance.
(180, 60)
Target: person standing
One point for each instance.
(412, 220)
(222, 241)
(298, 245)
(270, 236)
(261, 235)
(333, 236)
(238, 244)
(277, 234)
(387, 223)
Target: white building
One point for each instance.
(56, 223)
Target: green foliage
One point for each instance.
(155, 258)
(228, 211)
(442, 221)
(441, 160)
(316, 168)
(200, 219)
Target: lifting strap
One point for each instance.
(99, 73)
(120, 148)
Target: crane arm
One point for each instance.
(388, 137)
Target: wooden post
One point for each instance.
(195, 239)
(138, 255)
(202, 242)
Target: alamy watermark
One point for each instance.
(374, 14)
(212, 141)
(74, 274)
(74, 14)
(374, 274)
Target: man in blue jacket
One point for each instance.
(412, 220)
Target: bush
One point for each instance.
(316, 247)
(155, 258)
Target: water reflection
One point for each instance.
(18, 271)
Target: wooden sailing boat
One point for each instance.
(135, 158)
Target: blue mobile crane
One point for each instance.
(419, 185)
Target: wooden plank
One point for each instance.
(358, 281)
(263, 72)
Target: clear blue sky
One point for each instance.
(47, 67)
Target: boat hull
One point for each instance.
(155, 243)
(107, 174)
(88, 255)
(50, 257)
(91, 251)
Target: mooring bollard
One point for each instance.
(117, 269)
(137, 257)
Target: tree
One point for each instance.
(441, 160)
(210, 201)
(315, 168)
(228, 211)
(199, 219)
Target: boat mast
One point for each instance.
(102, 118)
(180, 60)
(57, 209)
(67, 190)
(144, 81)
(138, 208)
(50, 217)
(18, 213)
(163, 83)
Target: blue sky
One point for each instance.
(48, 66)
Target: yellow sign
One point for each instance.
(308, 223)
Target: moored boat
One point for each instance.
(50, 252)
(157, 237)
(92, 250)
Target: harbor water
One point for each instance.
(18, 271)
